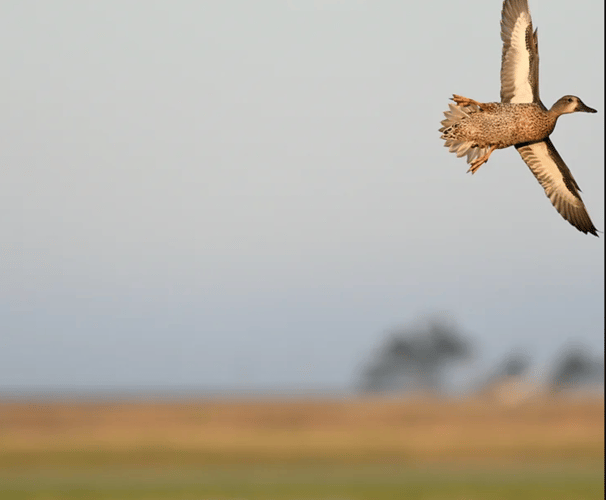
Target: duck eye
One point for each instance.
(570, 99)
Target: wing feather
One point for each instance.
(520, 57)
(560, 187)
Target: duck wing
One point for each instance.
(520, 58)
(557, 181)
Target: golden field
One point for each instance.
(272, 430)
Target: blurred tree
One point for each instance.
(575, 369)
(514, 366)
(414, 359)
(509, 382)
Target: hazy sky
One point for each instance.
(239, 193)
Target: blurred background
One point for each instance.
(252, 199)
(237, 196)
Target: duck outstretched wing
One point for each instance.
(520, 58)
(560, 187)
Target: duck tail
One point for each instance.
(454, 115)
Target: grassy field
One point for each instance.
(301, 449)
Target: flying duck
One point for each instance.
(476, 129)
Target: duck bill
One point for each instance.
(586, 109)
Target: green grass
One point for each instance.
(299, 482)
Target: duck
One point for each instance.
(476, 129)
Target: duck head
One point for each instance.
(570, 104)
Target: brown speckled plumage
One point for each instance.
(475, 129)
(503, 124)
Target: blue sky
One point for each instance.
(250, 194)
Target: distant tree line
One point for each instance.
(418, 358)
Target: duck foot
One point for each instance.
(465, 101)
(481, 160)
